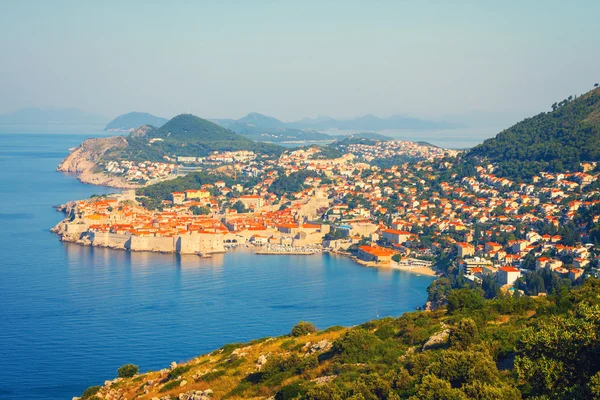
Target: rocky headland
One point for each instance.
(83, 161)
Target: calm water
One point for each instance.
(71, 315)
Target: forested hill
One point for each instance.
(187, 134)
(556, 141)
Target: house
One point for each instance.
(575, 273)
(468, 264)
(507, 275)
(252, 201)
(197, 194)
(465, 249)
(178, 197)
(375, 254)
(580, 263)
(492, 247)
(395, 236)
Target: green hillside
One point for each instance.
(189, 128)
(188, 135)
(503, 349)
(556, 141)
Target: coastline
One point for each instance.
(418, 270)
(76, 238)
(101, 179)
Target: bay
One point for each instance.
(71, 315)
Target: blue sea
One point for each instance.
(71, 315)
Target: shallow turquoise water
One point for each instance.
(71, 315)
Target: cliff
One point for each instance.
(88, 153)
(83, 160)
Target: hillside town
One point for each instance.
(421, 214)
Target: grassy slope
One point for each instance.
(386, 347)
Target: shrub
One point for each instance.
(385, 332)
(212, 375)
(356, 346)
(127, 371)
(291, 391)
(89, 392)
(334, 328)
(465, 300)
(303, 328)
(288, 344)
(169, 386)
(464, 333)
(180, 370)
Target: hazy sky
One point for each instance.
(292, 59)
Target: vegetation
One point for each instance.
(303, 328)
(127, 370)
(163, 190)
(294, 182)
(556, 141)
(90, 392)
(509, 347)
(187, 135)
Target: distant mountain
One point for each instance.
(370, 135)
(555, 141)
(261, 121)
(132, 120)
(189, 135)
(373, 123)
(263, 128)
(51, 116)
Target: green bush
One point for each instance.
(169, 386)
(303, 328)
(385, 332)
(212, 375)
(465, 300)
(127, 371)
(89, 392)
(180, 370)
(464, 333)
(291, 391)
(356, 346)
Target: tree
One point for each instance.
(196, 210)
(303, 328)
(464, 333)
(465, 300)
(239, 207)
(127, 370)
(559, 359)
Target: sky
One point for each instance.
(293, 59)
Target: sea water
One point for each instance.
(71, 315)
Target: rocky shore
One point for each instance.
(83, 160)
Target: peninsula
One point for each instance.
(384, 202)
